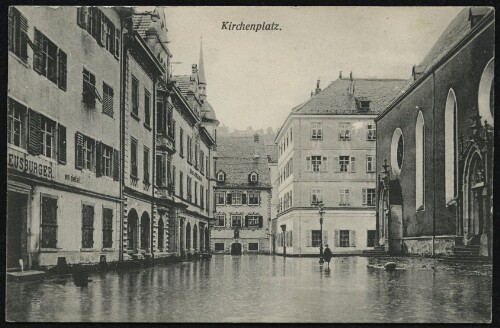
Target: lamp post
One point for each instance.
(321, 213)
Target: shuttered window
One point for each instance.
(88, 153)
(344, 197)
(107, 100)
(253, 198)
(90, 93)
(48, 234)
(18, 29)
(95, 22)
(133, 158)
(147, 107)
(47, 130)
(181, 184)
(49, 60)
(16, 124)
(188, 183)
(315, 238)
(61, 144)
(87, 226)
(235, 220)
(145, 165)
(107, 227)
(344, 238)
(159, 168)
(107, 161)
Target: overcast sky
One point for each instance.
(255, 78)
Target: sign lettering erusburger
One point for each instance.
(27, 165)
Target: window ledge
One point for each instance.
(135, 116)
(19, 59)
(147, 126)
(83, 249)
(49, 250)
(107, 250)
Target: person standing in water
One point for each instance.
(327, 255)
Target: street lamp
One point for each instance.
(321, 213)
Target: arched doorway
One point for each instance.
(188, 236)
(145, 231)
(473, 222)
(236, 249)
(195, 238)
(161, 235)
(132, 223)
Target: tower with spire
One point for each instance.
(202, 82)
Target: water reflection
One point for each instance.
(257, 288)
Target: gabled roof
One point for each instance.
(336, 99)
(207, 111)
(456, 30)
(237, 159)
(272, 152)
(183, 83)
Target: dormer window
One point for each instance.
(221, 176)
(365, 104)
(253, 177)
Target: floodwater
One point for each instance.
(259, 288)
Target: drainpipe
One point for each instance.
(153, 162)
(123, 79)
(434, 160)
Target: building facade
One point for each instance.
(435, 191)
(242, 197)
(64, 153)
(326, 152)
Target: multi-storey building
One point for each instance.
(437, 141)
(327, 155)
(141, 71)
(64, 153)
(272, 162)
(242, 197)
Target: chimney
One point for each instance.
(317, 88)
(255, 143)
(340, 75)
(194, 68)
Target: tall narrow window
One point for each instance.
(419, 162)
(88, 153)
(107, 159)
(18, 27)
(145, 165)
(133, 158)
(181, 142)
(87, 226)
(107, 101)
(370, 166)
(16, 126)
(48, 234)
(147, 108)
(450, 137)
(181, 184)
(107, 227)
(135, 96)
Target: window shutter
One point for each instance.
(81, 15)
(352, 237)
(229, 200)
(243, 198)
(102, 37)
(353, 164)
(23, 22)
(98, 159)
(324, 165)
(308, 163)
(116, 165)
(35, 135)
(117, 43)
(37, 54)
(261, 222)
(374, 164)
(62, 70)
(336, 238)
(336, 164)
(364, 196)
(163, 173)
(325, 237)
(11, 28)
(78, 150)
(246, 221)
(309, 238)
(61, 143)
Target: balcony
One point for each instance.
(165, 142)
(166, 192)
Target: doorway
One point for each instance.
(236, 249)
(17, 236)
